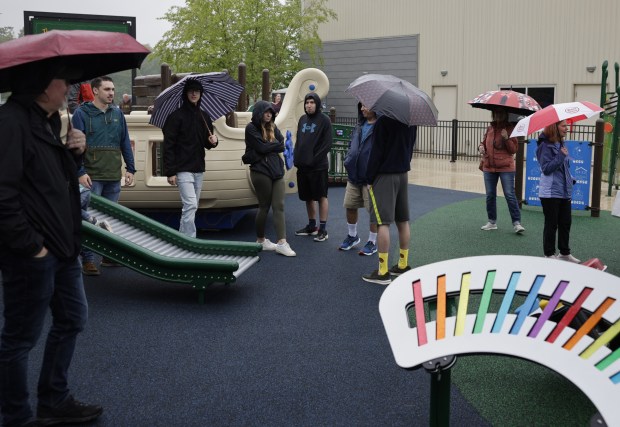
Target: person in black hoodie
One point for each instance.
(314, 140)
(264, 141)
(40, 242)
(386, 174)
(188, 131)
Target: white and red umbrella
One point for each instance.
(569, 111)
(513, 102)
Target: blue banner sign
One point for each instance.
(580, 154)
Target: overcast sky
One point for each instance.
(149, 28)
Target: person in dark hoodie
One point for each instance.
(264, 141)
(39, 246)
(356, 193)
(314, 140)
(188, 131)
(386, 174)
(107, 139)
(555, 190)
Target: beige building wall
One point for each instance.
(484, 44)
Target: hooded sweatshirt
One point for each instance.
(107, 138)
(314, 138)
(186, 136)
(269, 162)
(556, 180)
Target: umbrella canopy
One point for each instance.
(513, 102)
(219, 96)
(393, 97)
(569, 111)
(82, 55)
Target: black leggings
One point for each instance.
(557, 219)
(270, 194)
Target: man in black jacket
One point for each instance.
(39, 246)
(188, 131)
(314, 140)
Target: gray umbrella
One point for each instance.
(396, 98)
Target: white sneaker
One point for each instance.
(105, 225)
(285, 249)
(551, 256)
(519, 228)
(569, 257)
(268, 245)
(489, 226)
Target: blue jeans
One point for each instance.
(508, 186)
(190, 185)
(31, 286)
(111, 190)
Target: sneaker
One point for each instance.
(321, 236)
(368, 249)
(551, 256)
(105, 262)
(375, 277)
(268, 245)
(307, 231)
(489, 226)
(72, 411)
(285, 249)
(90, 269)
(569, 257)
(397, 271)
(518, 228)
(105, 225)
(349, 242)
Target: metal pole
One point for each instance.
(613, 152)
(597, 172)
(519, 170)
(603, 85)
(455, 129)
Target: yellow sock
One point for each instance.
(404, 256)
(383, 263)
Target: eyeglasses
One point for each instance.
(194, 91)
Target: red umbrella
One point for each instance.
(83, 55)
(569, 111)
(513, 102)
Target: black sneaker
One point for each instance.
(72, 411)
(321, 236)
(397, 271)
(375, 277)
(307, 231)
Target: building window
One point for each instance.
(543, 95)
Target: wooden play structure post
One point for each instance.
(166, 76)
(243, 98)
(266, 87)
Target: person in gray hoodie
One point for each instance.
(314, 140)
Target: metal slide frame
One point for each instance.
(158, 251)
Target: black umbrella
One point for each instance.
(79, 54)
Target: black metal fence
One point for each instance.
(458, 140)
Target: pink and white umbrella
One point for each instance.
(569, 111)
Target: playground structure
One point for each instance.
(609, 101)
(227, 185)
(158, 251)
(423, 330)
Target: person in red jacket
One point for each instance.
(497, 150)
(79, 93)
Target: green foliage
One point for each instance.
(6, 34)
(215, 35)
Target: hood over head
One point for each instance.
(259, 109)
(191, 84)
(317, 101)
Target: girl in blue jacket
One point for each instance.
(555, 190)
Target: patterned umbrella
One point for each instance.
(514, 102)
(396, 98)
(220, 95)
(569, 111)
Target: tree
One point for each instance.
(213, 35)
(6, 34)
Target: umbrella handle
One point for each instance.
(206, 125)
